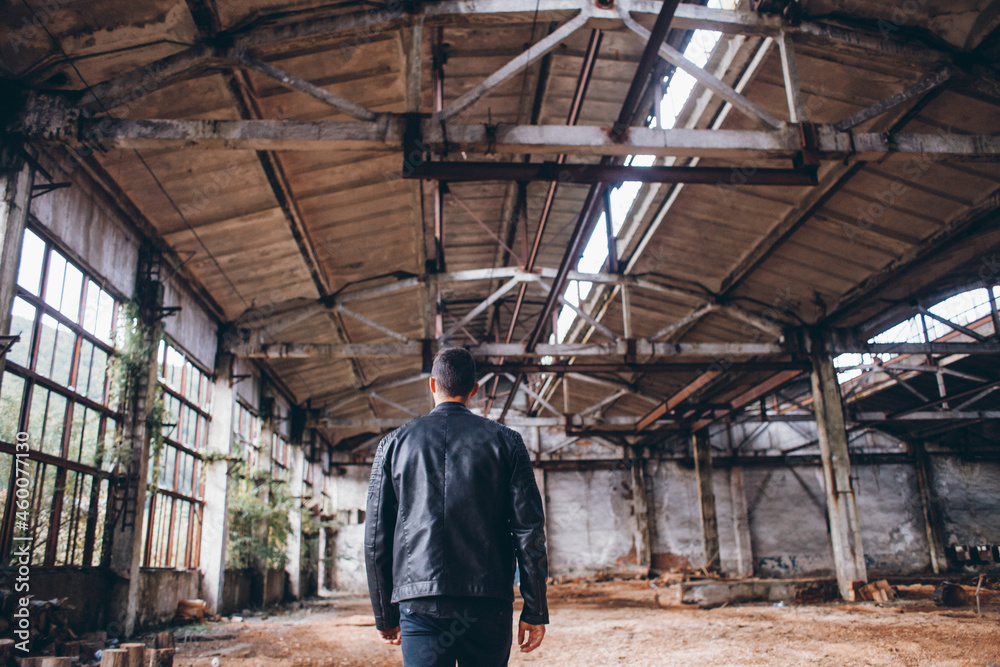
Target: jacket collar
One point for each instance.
(450, 406)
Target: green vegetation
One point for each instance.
(135, 346)
(259, 507)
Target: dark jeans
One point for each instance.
(478, 636)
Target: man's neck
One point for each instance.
(443, 401)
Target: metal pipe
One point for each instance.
(601, 173)
(582, 83)
(626, 116)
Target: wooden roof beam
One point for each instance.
(694, 353)
(43, 122)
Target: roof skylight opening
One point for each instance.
(964, 309)
(595, 253)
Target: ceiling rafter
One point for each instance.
(277, 179)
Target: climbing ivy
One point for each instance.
(257, 501)
(135, 347)
(155, 424)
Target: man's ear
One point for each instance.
(433, 385)
(475, 390)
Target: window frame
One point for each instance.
(156, 554)
(63, 463)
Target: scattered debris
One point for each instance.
(876, 591)
(190, 611)
(948, 594)
(49, 630)
(357, 619)
(241, 650)
(208, 637)
(681, 574)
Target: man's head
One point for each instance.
(453, 376)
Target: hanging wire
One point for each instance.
(142, 160)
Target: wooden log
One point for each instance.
(164, 639)
(89, 649)
(29, 662)
(72, 648)
(888, 590)
(159, 657)
(50, 661)
(6, 648)
(114, 657)
(136, 654)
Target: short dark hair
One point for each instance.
(455, 371)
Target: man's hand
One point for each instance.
(391, 636)
(535, 634)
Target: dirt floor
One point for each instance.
(634, 623)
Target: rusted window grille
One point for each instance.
(56, 388)
(281, 457)
(173, 512)
(246, 435)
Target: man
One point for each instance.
(451, 502)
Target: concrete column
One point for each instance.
(640, 511)
(706, 498)
(741, 523)
(534, 445)
(293, 551)
(932, 519)
(15, 201)
(842, 508)
(321, 564)
(215, 515)
(126, 532)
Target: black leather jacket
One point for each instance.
(451, 501)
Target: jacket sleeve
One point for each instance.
(527, 524)
(380, 525)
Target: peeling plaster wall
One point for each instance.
(675, 521)
(159, 592)
(788, 524)
(349, 491)
(91, 229)
(968, 499)
(248, 382)
(192, 327)
(893, 530)
(786, 506)
(589, 521)
(788, 530)
(349, 573)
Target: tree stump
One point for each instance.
(136, 654)
(49, 661)
(159, 657)
(164, 640)
(6, 647)
(114, 657)
(89, 649)
(72, 649)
